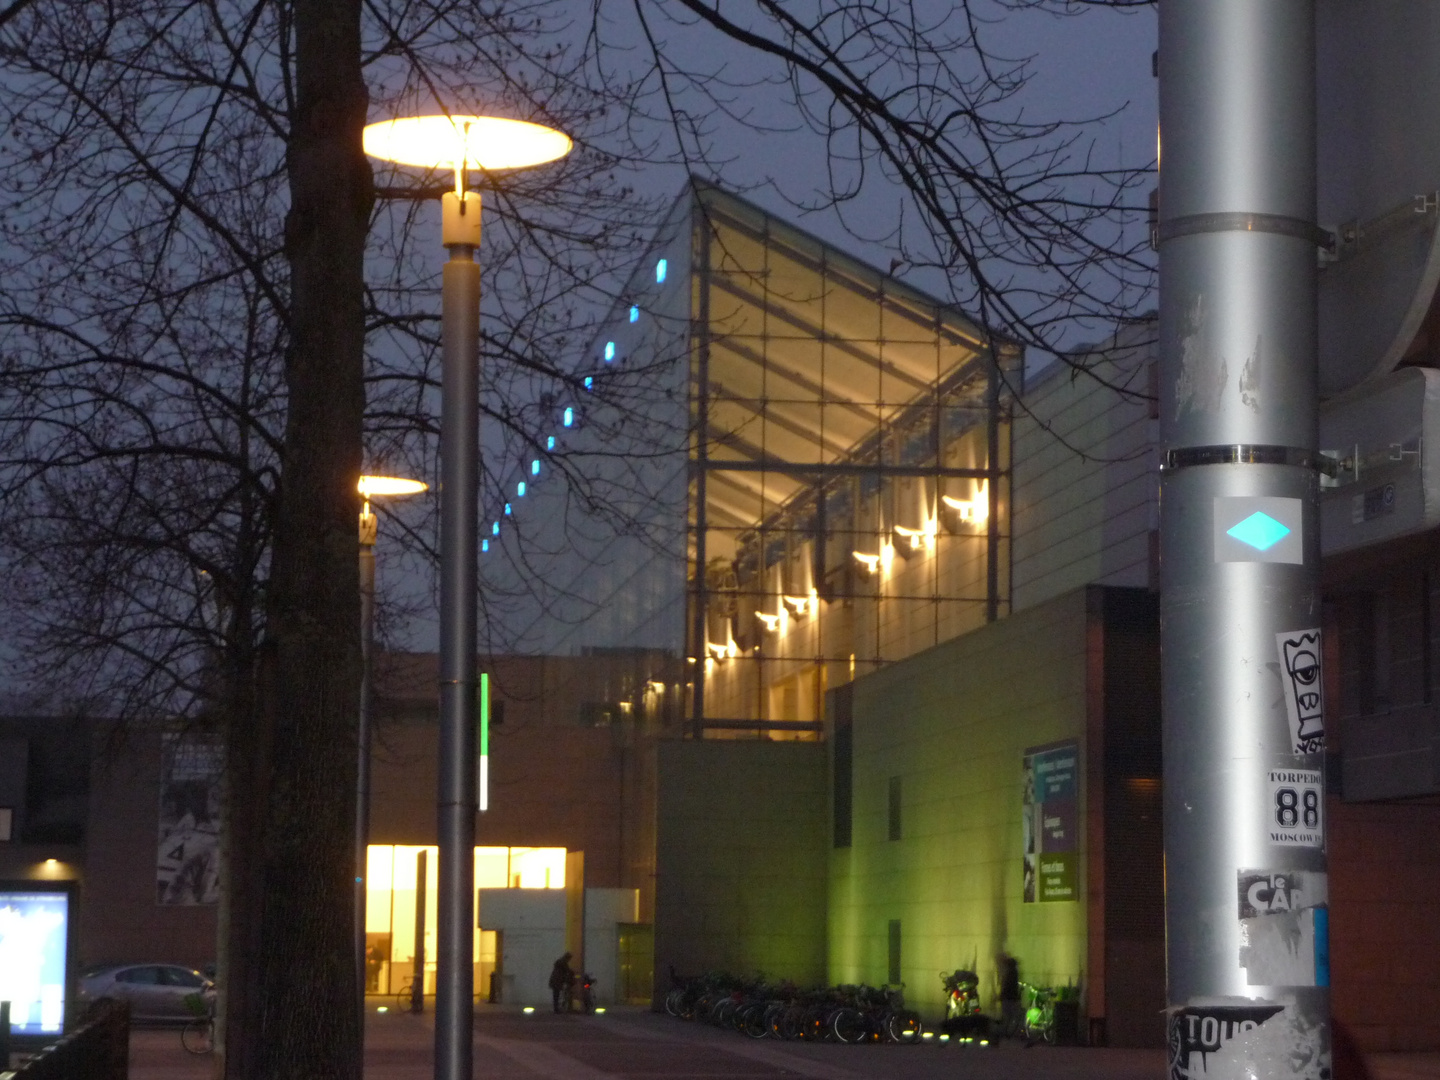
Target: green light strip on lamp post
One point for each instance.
(482, 786)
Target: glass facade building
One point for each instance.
(819, 485)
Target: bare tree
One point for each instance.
(193, 352)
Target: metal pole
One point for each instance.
(1245, 892)
(459, 481)
(417, 959)
(362, 778)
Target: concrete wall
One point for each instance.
(605, 910)
(553, 782)
(742, 833)
(1085, 488)
(531, 923)
(953, 724)
(119, 916)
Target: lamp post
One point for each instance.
(369, 486)
(459, 142)
(1240, 622)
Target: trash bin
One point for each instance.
(1067, 1023)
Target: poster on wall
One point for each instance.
(34, 930)
(187, 870)
(1050, 821)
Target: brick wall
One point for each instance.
(1385, 922)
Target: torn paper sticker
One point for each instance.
(1244, 1040)
(1284, 928)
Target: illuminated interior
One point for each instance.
(850, 502)
(390, 906)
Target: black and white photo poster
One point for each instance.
(187, 870)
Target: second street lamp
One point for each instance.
(459, 142)
(369, 486)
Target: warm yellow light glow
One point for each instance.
(976, 511)
(390, 485)
(870, 562)
(52, 862)
(887, 555)
(768, 619)
(457, 142)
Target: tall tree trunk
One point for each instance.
(307, 1023)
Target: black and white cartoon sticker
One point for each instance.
(1304, 693)
(1294, 814)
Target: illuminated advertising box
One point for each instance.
(34, 941)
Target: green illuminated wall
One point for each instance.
(952, 724)
(741, 841)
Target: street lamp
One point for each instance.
(459, 142)
(369, 486)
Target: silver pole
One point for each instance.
(459, 482)
(362, 778)
(1246, 925)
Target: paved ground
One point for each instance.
(636, 1045)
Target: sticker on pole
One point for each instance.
(1216, 1041)
(1284, 927)
(1304, 688)
(1259, 528)
(1295, 811)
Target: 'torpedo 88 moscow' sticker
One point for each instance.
(1295, 811)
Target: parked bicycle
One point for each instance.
(405, 999)
(198, 1034)
(1039, 1013)
(760, 1010)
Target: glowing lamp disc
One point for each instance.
(447, 142)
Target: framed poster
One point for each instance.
(1050, 821)
(187, 865)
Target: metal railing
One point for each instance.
(98, 1048)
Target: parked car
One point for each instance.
(156, 993)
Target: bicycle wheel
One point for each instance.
(849, 1026)
(755, 1023)
(722, 1012)
(198, 1036)
(904, 1026)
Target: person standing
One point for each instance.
(562, 977)
(1010, 1015)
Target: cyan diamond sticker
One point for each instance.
(1260, 531)
(1259, 528)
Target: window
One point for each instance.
(7, 823)
(142, 976)
(893, 975)
(175, 976)
(895, 810)
(497, 713)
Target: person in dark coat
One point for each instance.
(562, 977)
(1011, 1015)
